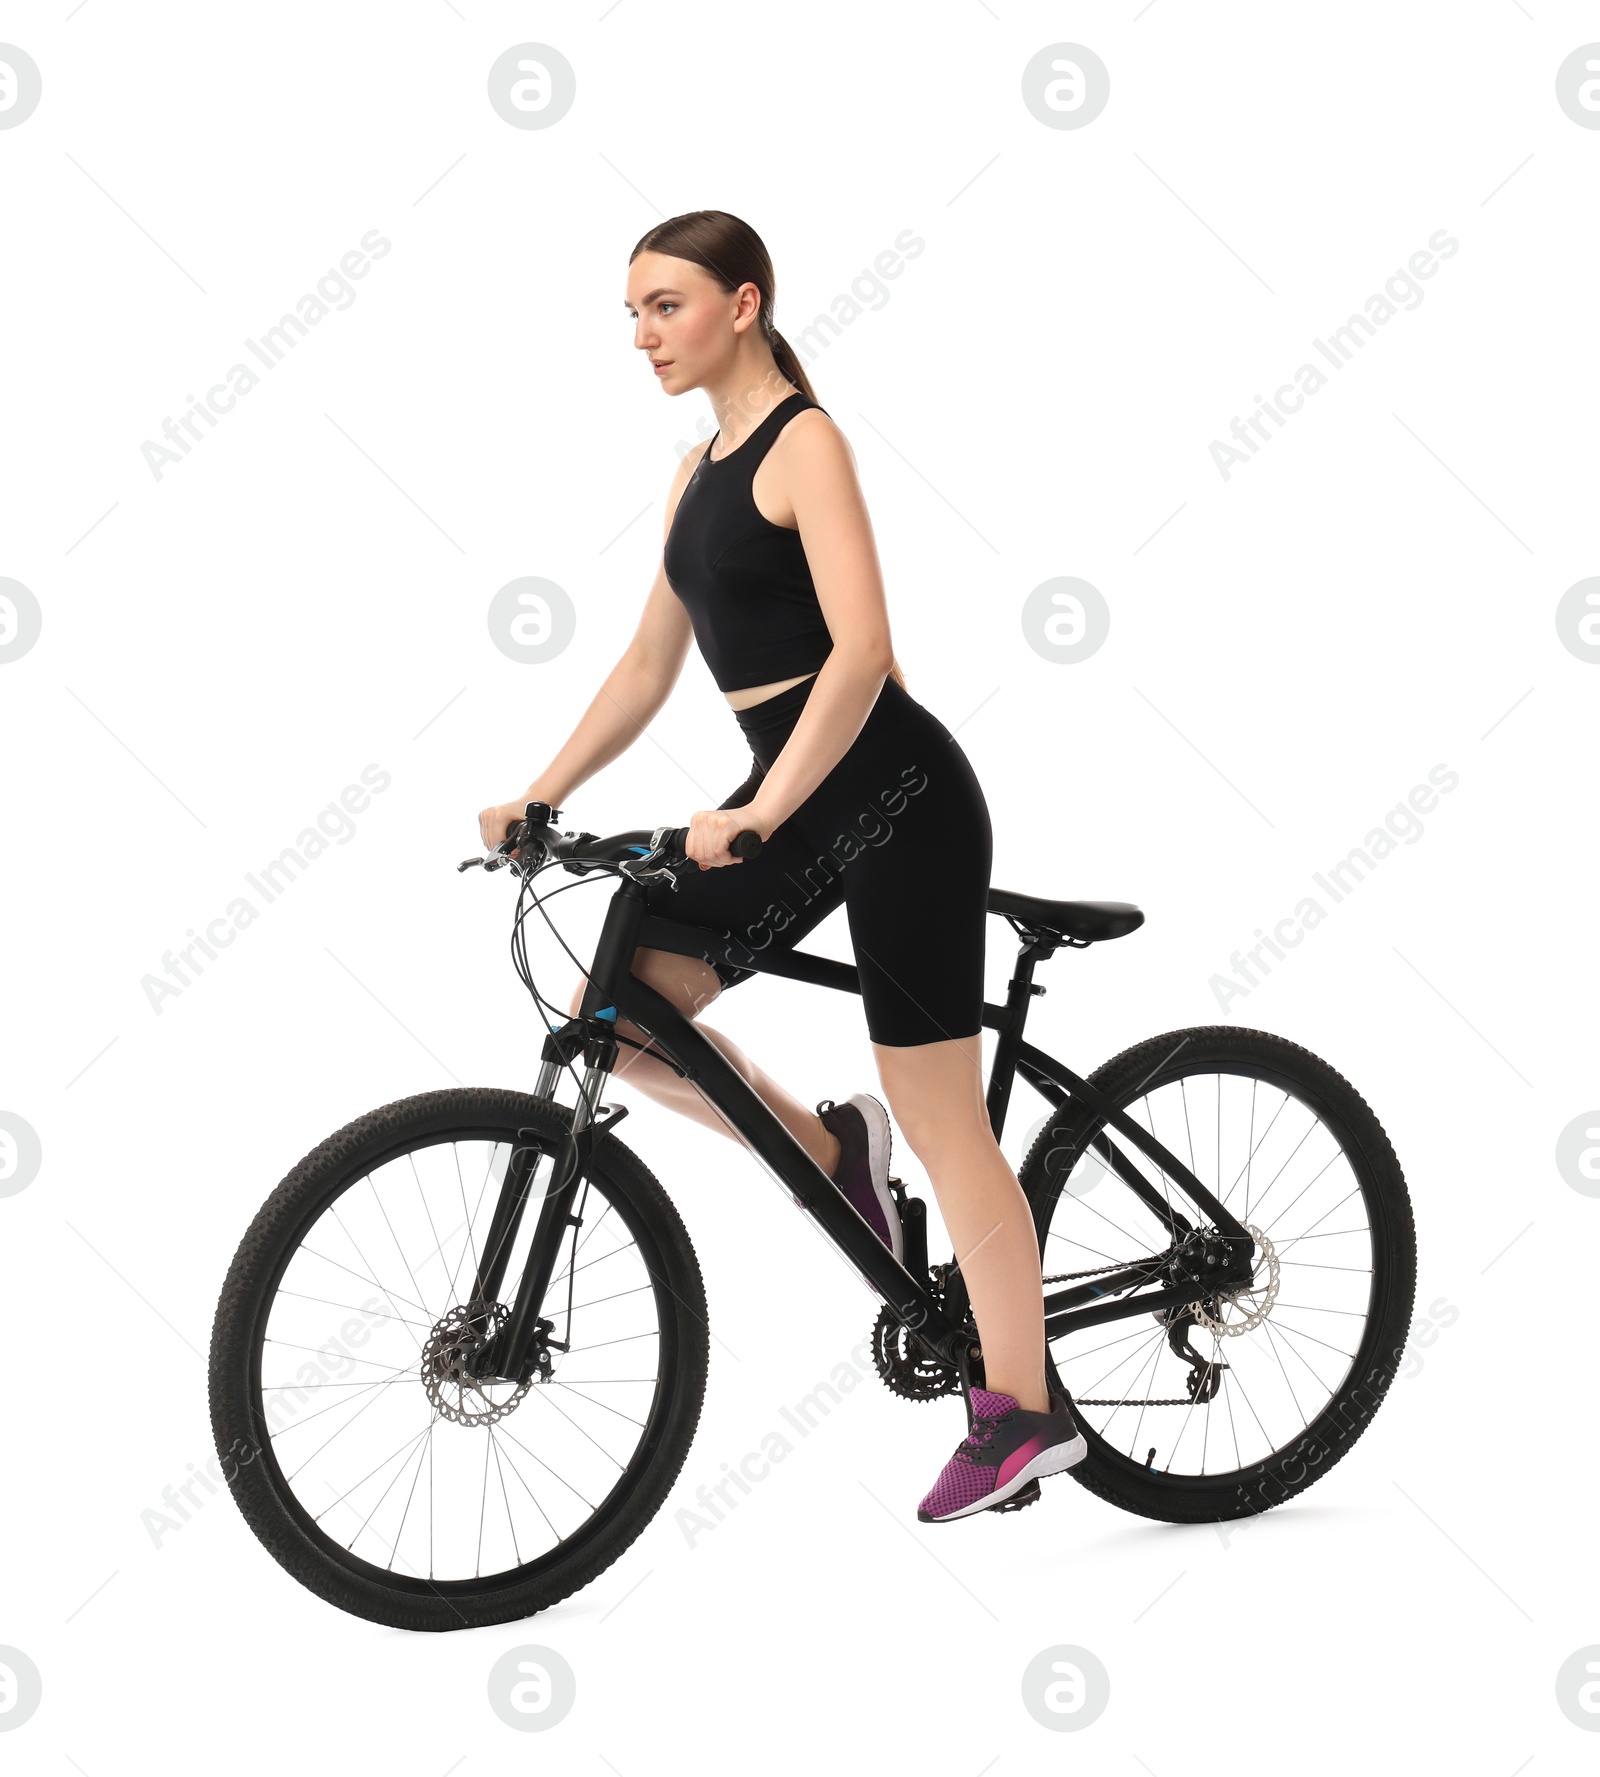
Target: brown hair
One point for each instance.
(733, 253)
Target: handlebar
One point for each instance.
(641, 851)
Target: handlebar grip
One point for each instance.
(745, 844)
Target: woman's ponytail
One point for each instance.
(734, 254)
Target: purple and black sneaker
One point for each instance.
(1004, 1454)
(861, 1126)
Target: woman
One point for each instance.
(860, 795)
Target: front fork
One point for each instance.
(509, 1355)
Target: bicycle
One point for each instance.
(542, 1465)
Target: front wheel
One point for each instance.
(355, 1439)
(1227, 1410)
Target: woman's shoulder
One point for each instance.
(811, 437)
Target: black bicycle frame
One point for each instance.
(614, 990)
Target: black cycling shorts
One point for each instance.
(899, 833)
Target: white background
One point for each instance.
(1291, 650)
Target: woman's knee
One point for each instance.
(689, 984)
(935, 1091)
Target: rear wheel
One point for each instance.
(354, 1438)
(1230, 1409)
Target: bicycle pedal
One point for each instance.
(1018, 1500)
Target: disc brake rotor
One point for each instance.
(1253, 1312)
(456, 1393)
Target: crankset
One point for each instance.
(909, 1368)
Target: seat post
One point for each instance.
(1020, 989)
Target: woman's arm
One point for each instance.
(626, 703)
(624, 706)
(820, 481)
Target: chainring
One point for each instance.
(906, 1365)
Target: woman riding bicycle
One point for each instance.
(855, 788)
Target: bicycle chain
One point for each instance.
(921, 1383)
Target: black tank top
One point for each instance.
(745, 581)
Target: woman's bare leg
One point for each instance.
(692, 985)
(936, 1092)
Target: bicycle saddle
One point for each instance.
(1087, 921)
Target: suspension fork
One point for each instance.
(591, 1033)
(561, 1046)
(507, 1355)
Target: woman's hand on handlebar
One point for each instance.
(713, 830)
(494, 824)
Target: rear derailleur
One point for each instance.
(1205, 1373)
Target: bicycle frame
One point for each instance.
(614, 990)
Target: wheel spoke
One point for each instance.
(421, 1458)
(511, 1464)
(393, 1236)
(506, 1497)
(348, 1307)
(365, 1261)
(427, 1211)
(295, 1424)
(312, 1253)
(308, 1460)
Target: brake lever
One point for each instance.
(496, 860)
(536, 813)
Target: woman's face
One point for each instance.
(683, 320)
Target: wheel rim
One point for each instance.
(1280, 1160)
(371, 1468)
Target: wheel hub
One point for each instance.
(1252, 1311)
(450, 1357)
